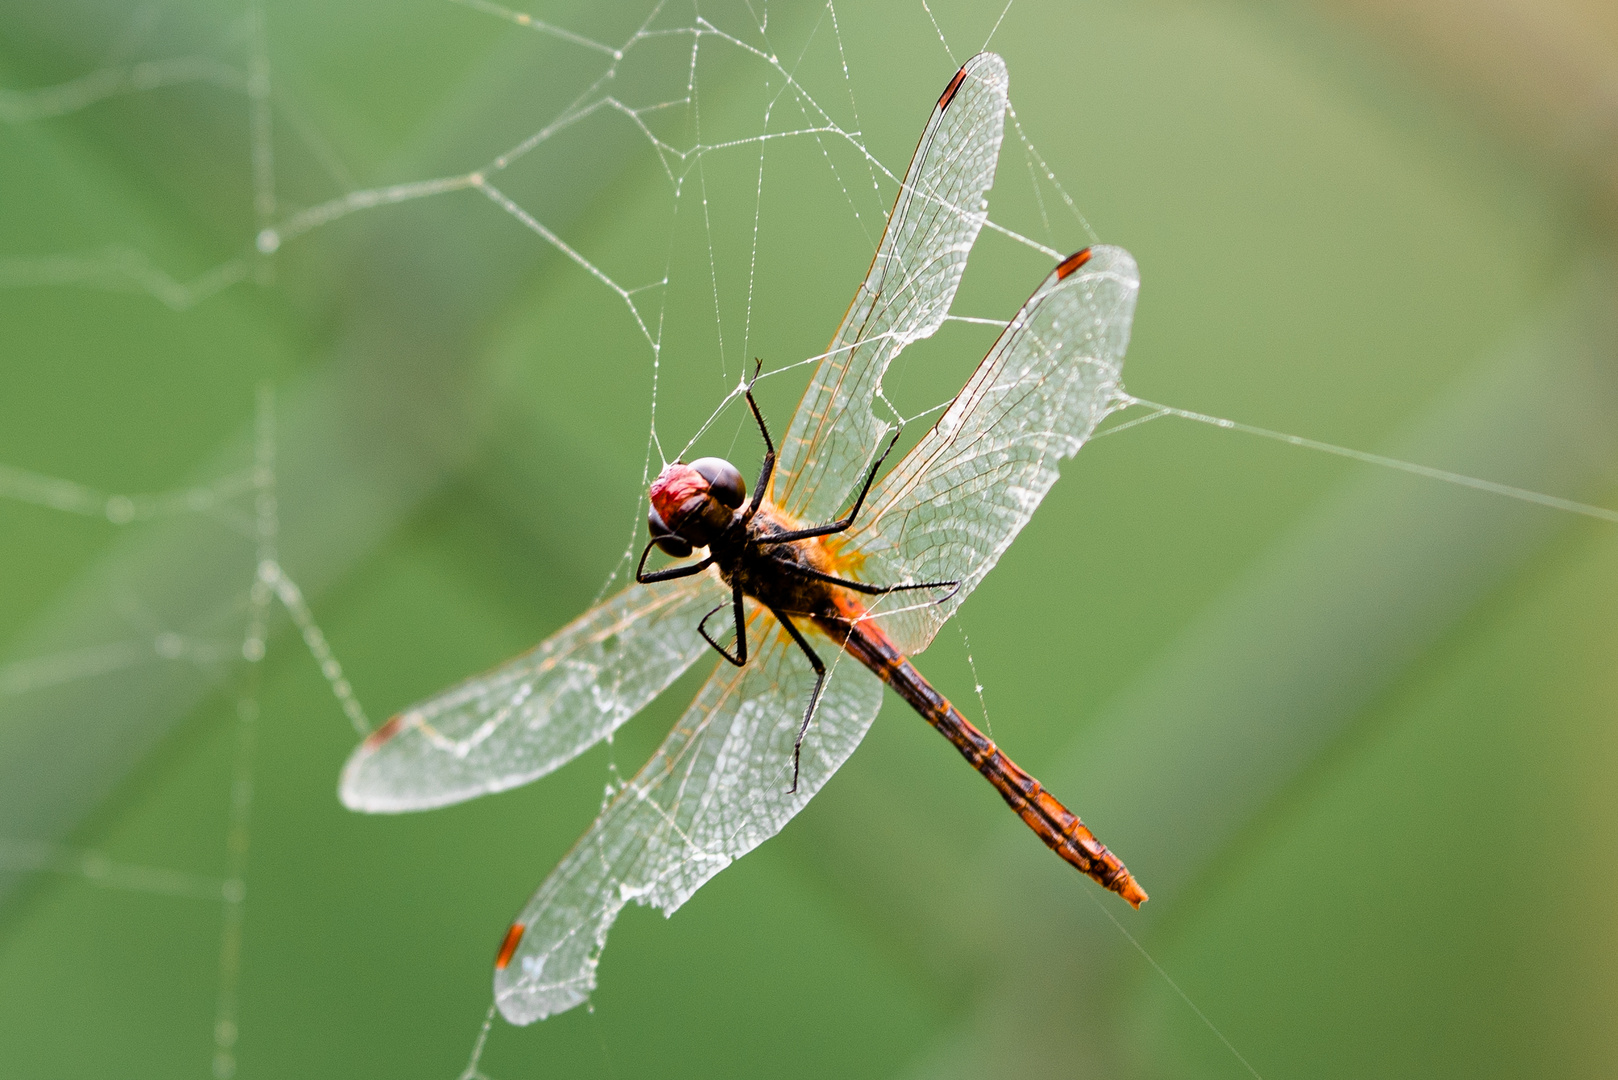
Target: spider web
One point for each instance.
(650, 82)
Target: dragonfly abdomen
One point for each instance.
(1055, 824)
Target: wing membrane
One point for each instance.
(954, 504)
(905, 295)
(538, 711)
(714, 790)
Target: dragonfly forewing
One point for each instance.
(715, 789)
(953, 505)
(538, 711)
(906, 293)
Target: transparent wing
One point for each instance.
(954, 504)
(538, 711)
(714, 790)
(905, 296)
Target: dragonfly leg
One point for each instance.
(740, 656)
(644, 578)
(847, 520)
(814, 695)
(768, 470)
(869, 590)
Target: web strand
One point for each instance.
(1553, 502)
(123, 269)
(939, 30)
(270, 585)
(1164, 975)
(32, 856)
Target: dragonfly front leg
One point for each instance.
(843, 524)
(814, 695)
(644, 578)
(768, 470)
(740, 657)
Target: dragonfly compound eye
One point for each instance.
(724, 482)
(667, 541)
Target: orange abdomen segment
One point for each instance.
(1055, 824)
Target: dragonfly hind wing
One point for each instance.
(906, 293)
(538, 711)
(951, 508)
(715, 789)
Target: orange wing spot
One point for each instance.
(949, 91)
(385, 732)
(509, 946)
(1072, 263)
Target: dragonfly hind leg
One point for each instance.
(814, 695)
(872, 590)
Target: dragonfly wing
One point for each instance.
(954, 504)
(715, 789)
(538, 711)
(905, 295)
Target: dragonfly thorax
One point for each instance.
(691, 504)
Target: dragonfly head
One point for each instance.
(693, 503)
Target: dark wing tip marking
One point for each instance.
(509, 946)
(384, 733)
(949, 91)
(1072, 263)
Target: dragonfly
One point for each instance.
(833, 573)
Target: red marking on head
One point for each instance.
(949, 91)
(1072, 263)
(384, 733)
(509, 946)
(678, 491)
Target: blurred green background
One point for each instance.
(1352, 729)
